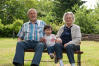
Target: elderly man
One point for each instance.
(30, 37)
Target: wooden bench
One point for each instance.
(76, 52)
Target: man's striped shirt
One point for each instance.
(31, 31)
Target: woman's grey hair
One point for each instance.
(67, 14)
(30, 10)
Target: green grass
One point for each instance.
(89, 58)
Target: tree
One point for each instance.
(61, 6)
(86, 19)
(96, 13)
(10, 10)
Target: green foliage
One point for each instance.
(48, 18)
(14, 12)
(96, 13)
(56, 26)
(10, 10)
(1, 26)
(86, 19)
(17, 25)
(7, 30)
(62, 6)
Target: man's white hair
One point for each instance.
(31, 10)
(65, 14)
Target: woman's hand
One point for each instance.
(58, 40)
(65, 45)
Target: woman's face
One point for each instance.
(69, 19)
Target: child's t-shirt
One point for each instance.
(50, 40)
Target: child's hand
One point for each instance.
(58, 40)
(42, 40)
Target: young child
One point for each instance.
(50, 42)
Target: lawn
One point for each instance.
(89, 58)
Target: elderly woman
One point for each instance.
(69, 37)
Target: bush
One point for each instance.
(1, 26)
(48, 18)
(56, 26)
(10, 29)
(86, 19)
(17, 25)
(7, 30)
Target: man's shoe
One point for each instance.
(52, 56)
(34, 65)
(17, 64)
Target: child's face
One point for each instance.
(48, 31)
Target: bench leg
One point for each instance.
(79, 60)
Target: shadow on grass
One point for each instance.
(12, 64)
(6, 64)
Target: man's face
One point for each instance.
(32, 15)
(48, 31)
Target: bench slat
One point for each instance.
(45, 51)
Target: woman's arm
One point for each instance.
(76, 36)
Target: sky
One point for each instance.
(91, 4)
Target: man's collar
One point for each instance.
(31, 22)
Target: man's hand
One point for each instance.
(65, 45)
(19, 39)
(42, 40)
(58, 40)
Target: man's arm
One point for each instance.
(21, 34)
